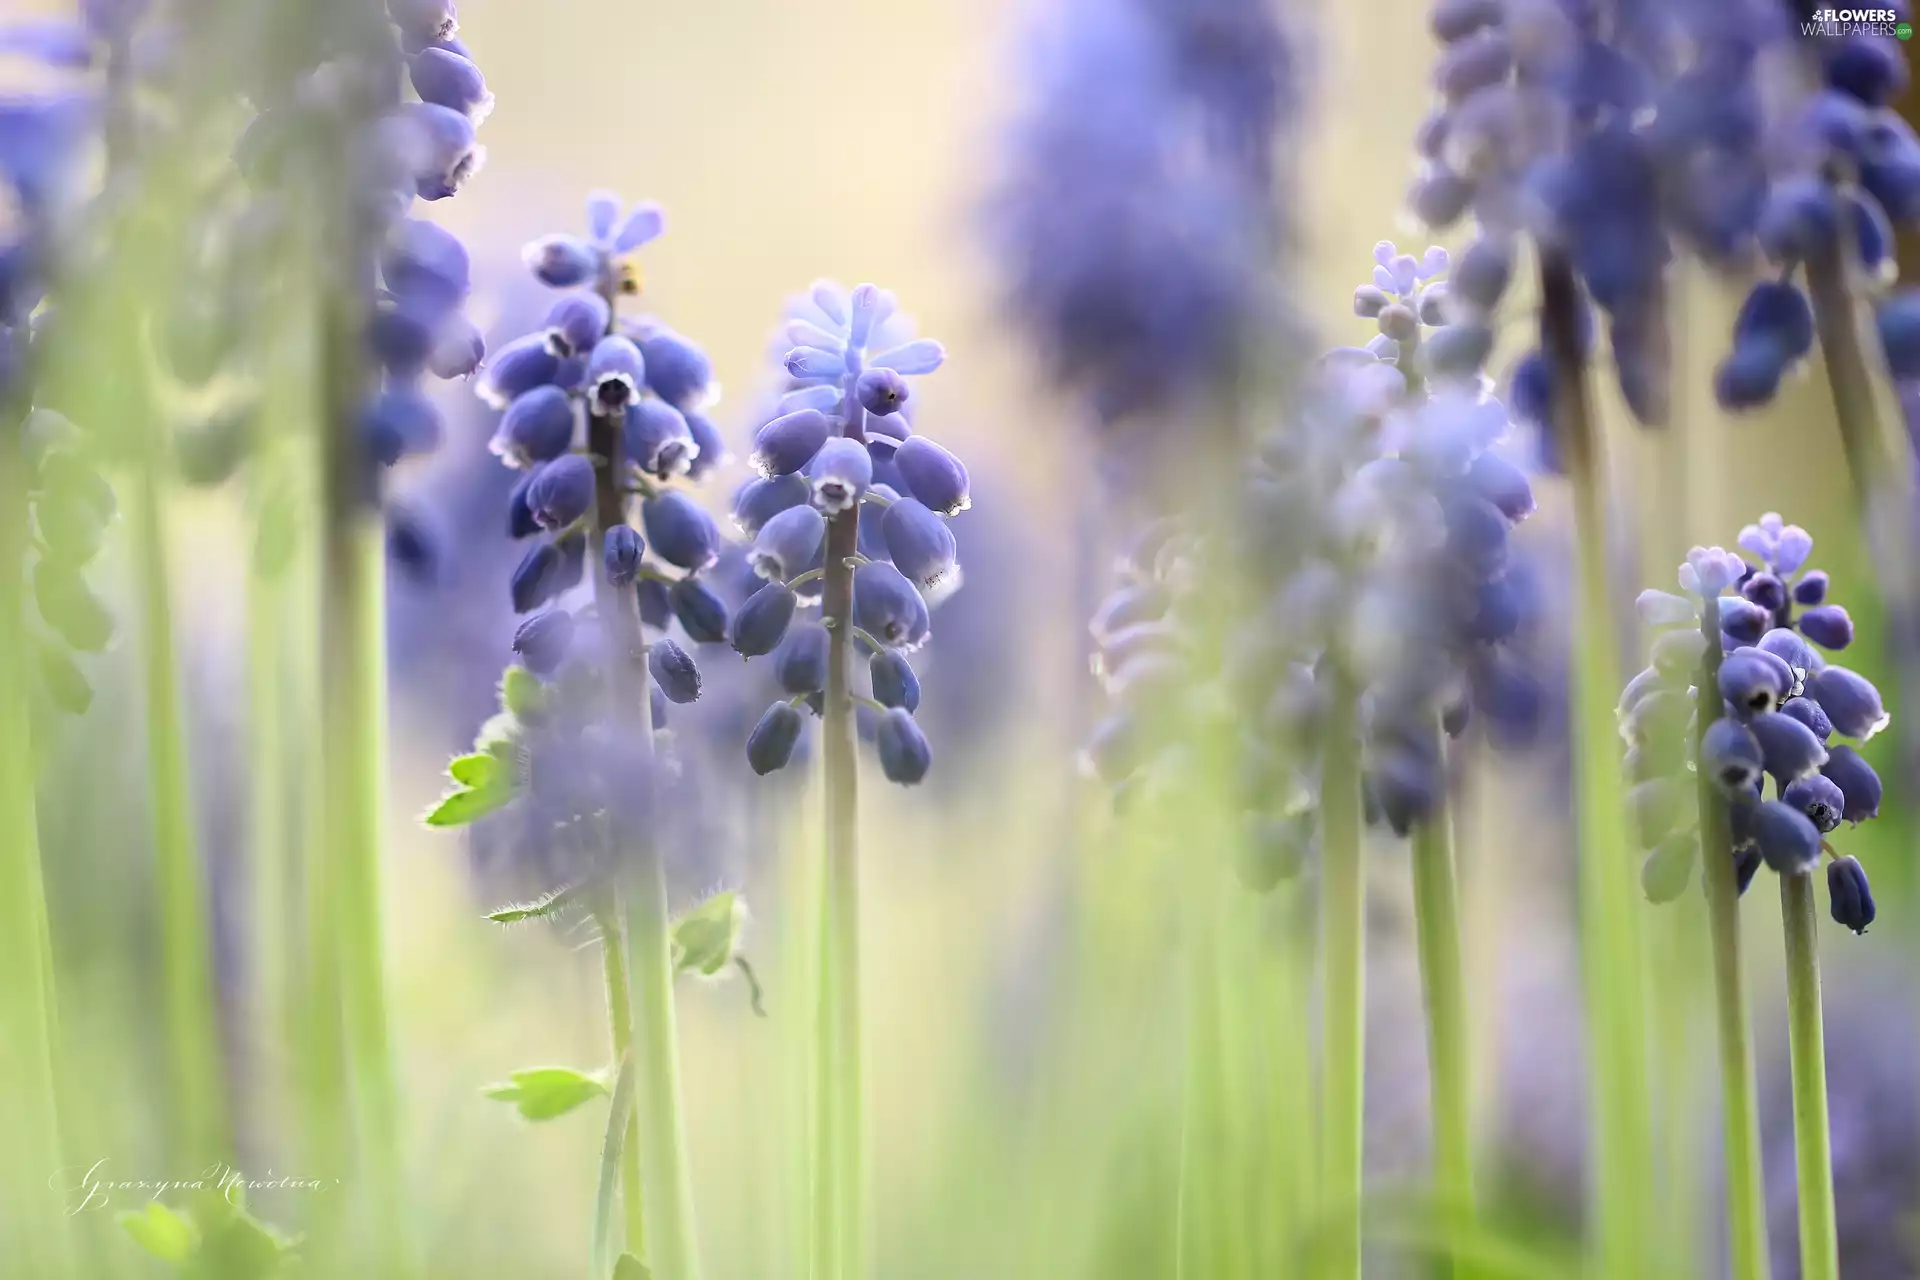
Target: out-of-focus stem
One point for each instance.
(1739, 1108)
(1812, 1145)
(1610, 930)
(613, 954)
(1450, 1086)
(1343, 996)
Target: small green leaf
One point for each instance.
(476, 770)
(458, 808)
(521, 693)
(161, 1232)
(544, 1093)
(705, 936)
(631, 1268)
(501, 730)
(235, 1245)
(559, 902)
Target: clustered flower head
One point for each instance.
(840, 446)
(1777, 706)
(1376, 529)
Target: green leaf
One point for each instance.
(501, 731)
(235, 1245)
(475, 771)
(161, 1232)
(631, 1268)
(521, 693)
(458, 808)
(705, 936)
(559, 902)
(544, 1093)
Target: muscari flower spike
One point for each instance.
(1780, 704)
(835, 444)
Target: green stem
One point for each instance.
(1611, 947)
(1739, 1108)
(1343, 926)
(198, 1127)
(620, 1015)
(1437, 922)
(1812, 1145)
(32, 1225)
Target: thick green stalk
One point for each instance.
(613, 954)
(1343, 995)
(1612, 959)
(1739, 1108)
(1812, 1144)
(1449, 1078)
(33, 1228)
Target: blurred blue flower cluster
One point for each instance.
(1781, 702)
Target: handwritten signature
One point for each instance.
(92, 1187)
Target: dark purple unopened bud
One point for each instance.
(621, 554)
(656, 603)
(426, 267)
(538, 577)
(1790, 748)
(840, 473)
(398, 422)
(1850, 701)
(1743, 621)
(444, 150)
(887, 607)
(1731, 756)
(1785, 644)
(1754, 681)
(787, 444)
(934, 476)
(1811, 590)
(542, 641)
(1406, 786)
(1808, 713)
(919, 543)
(70, 607)
(1857, 782)
(770, 745)
(1820, 798)
(1778, 316)
(677, 371)
(674, 671)
(1766, 591)
(577, 322)
(562, 262)
(1509, 699)
(761, 623)
(1899, 323)
(517, 368)
(759, 501)
(658, 439)
(426, 21)
(1828, 626)
(680, 531)
(905, 755)
(1785, 838)
(1273, 849)
(788, 544)
(1655, 807)
(1476, 532)
(1848, 897)
(801, 665)
(520, 521)
(880, 391)
(615, 372)
(459, 349)
(710, 447)
(894, 681)
(449, 80)
(1746, 865)
(562, 491)
(537, 427)
(1503, 484)
(702, 613)
(1668, 870)
(1800, 219)
(1749, 377)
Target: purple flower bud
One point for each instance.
(1749, 377)
(615, 372)
(674, 671)
(1827, 626)
(1799, 220)
(840, 473)
(1439, 196)
(1811, 590)
(517, 368)
(887, 607)
(1785, 644)
(658, 439)
(621, 553)
(1754, 682)
(1785, 838)
(562, 491)
(680, 531)
(801, 665)
(520, 521)
(1776, 315)
(1898, 320)
(451, 81)
(603, 211)
(702, 614)
(710, 448)
(761, 623)
(1790, 748)
(644, 224)
(459, 349)
(537, 427)
(1791, 549)
(542, 641)
(1766, 591)
(881, 391)
(656, 603)
(1473, 63)
(1850, 701)
(1369, 301)
(905, 755)
(923, 355)
(788, 544)
(426, 267)
(401, 341)
(1480, 277)
(934, 476)
(1857, 782)
(788, 444)
(1457, 350)
(770, 745)
(894, 681)
(919, 543)
(577, 322)
(1731, 756)
(1808, 713)
(400, 421)
(442, 149)
(1746, 865)
(1743, 621)
(758, 501)
(1819, 797)
(677, 371)
(1848, 897)
(814, 362)
(1668, 870)
(1476, 532)
(537, 578)
(562, 261)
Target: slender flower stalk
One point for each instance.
(1437, 921)
(1343, 993)
(1812, 1145)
